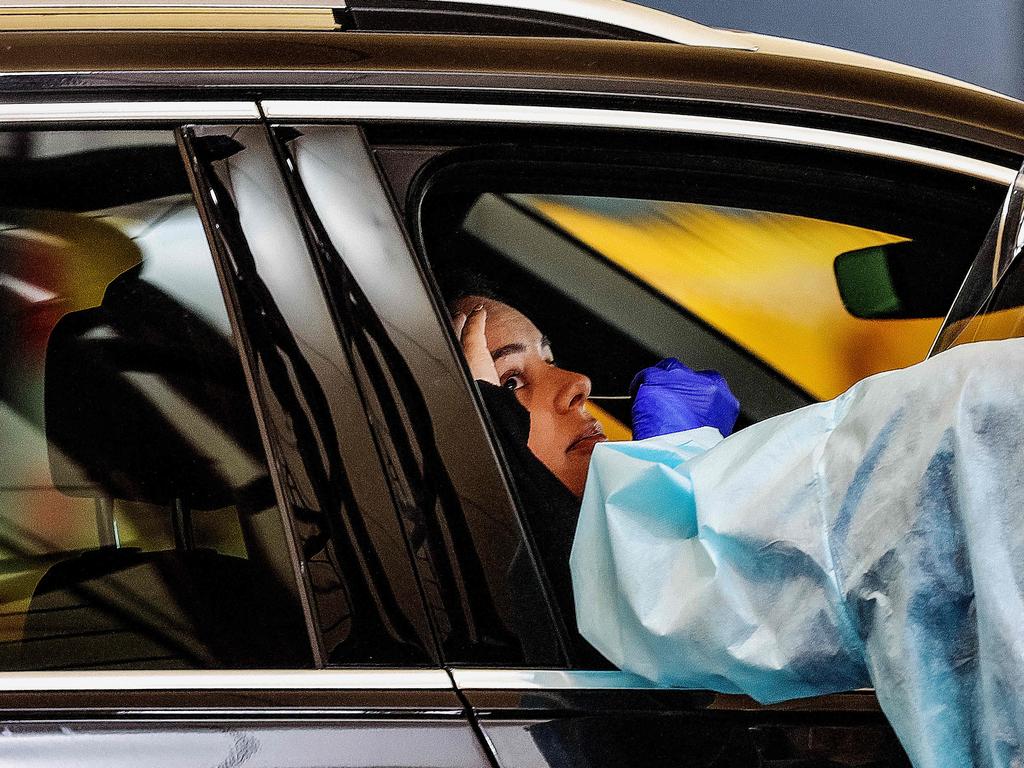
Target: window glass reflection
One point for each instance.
(138, 527)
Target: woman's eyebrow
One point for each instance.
(508, 349)
(517, 347)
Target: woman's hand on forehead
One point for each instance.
(471, 330)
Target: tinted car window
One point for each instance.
(138, 525)
(477, 575)
(364, 597)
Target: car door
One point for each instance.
(538, 703)
(201, 562)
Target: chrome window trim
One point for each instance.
(89, 111)
(212, 680)
(634, 120)
(547, 679)
(483, 679)
(284, 714)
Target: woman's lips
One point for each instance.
(588, 438)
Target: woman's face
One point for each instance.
(562, 433)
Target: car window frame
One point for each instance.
(749, 372)
(175, 116)
(349, 418)
(472, 115)
(436, 366)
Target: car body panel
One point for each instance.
(538, 719)
(317, 718)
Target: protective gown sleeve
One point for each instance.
(873, 540)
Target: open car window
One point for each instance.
(794, 275)
(761, 278)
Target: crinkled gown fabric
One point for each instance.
(873, 540)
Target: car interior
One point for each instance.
(727, 262)
(722, 256)
(138, 504)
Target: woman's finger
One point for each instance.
(474, 330)
(458, 323)
(474, 347)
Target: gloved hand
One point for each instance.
(669, 397)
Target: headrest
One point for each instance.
(145, 401)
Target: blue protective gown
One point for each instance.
(873, 540)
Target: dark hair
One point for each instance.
(459, 284)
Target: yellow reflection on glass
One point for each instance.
(990, 326)
(763, 279)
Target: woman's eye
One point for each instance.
(512, 382)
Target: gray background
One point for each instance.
(981, 41)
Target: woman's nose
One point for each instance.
(574, 391)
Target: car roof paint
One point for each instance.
(620, 13)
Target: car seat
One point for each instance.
(145, 402)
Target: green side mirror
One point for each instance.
(903, 280)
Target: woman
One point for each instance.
(503, 348)
(547, 436)
(544, 432)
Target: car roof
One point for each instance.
(299, 13)
(681, 30)
(352, 43)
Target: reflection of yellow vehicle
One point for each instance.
(792, 298)
(762, 279)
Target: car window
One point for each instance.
(989, 305)
(764, 279)
(727, 262)
(750, 292)
(138, 524)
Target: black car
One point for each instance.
(252, 511)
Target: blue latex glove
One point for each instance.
(670, 397)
